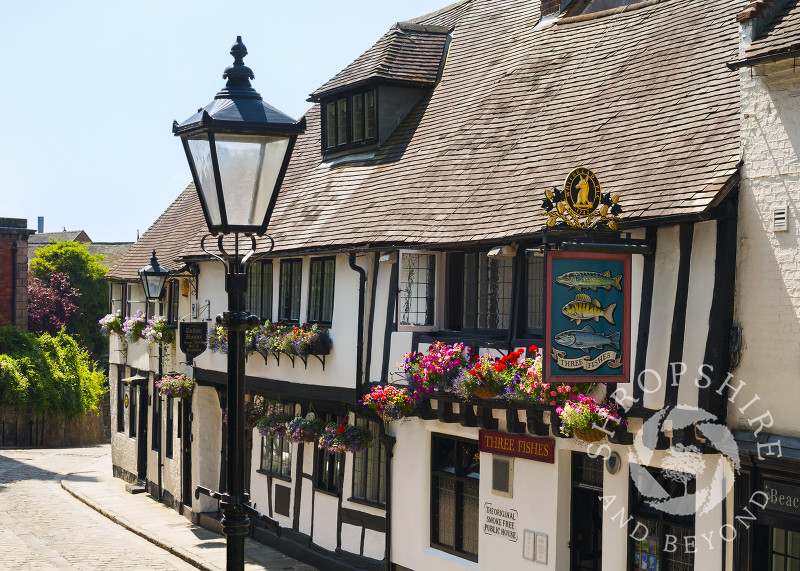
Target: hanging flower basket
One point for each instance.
(589, 434)
(345, 438)
(134, 326)
(301, 429)
(390, 402)
(272, 421)
(175, 386)
(158, 330)
(486, 392)
(111, 323)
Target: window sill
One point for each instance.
(274, 475)
(369, 503)
(438, 552)
(326, 492)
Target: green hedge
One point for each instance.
(48, 373)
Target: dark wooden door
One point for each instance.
(185, 420)
(141, 432)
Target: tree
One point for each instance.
(51, 306)
(86, 275)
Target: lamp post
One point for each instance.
(238, 148)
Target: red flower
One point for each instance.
(499, 366)
(340, 429)
(533, 348)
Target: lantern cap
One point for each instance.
(238, 107)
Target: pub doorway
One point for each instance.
(586, 513)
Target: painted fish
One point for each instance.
(586, 338)
(584, 308)
(590, 280)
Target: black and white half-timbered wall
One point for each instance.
(412, 212)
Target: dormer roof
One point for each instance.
(781, 36)
(408, 54)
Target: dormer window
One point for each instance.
(349, 121)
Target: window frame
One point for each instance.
(327, 124)
(508, 315)
(155, 437)
(169, 441)
(327, 478)
(173, 300)
(131, 300)
(460, 479)
(525, 296)
(284, 446)
(311, 295)
(116, 304)
(375, 455)
(266, 294)
(438, 290)
(282, 296)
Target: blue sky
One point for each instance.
(90, 90)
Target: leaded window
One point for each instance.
(320, 298)
(455, 478)
(349, 121)
(258, 300)
(369, 467)
(417, 289)
(329, 467)
(487, 291)
(535, 292)
(276, 451)
(289, 290)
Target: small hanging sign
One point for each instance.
(193, 338)
(581, 203)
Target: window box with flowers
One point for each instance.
(175, 386)
(277, 339)
(436, 369)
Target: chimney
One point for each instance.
(40, 225)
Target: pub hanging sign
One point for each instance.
(587, 332)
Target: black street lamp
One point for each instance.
(153, 278)
(238, 148)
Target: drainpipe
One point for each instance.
(388, 442)
(362, 280)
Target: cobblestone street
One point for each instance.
(44, 527)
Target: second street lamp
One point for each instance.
(153, 278)
(238, 148)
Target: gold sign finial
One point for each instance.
(581, 204)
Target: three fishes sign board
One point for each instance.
(587, 333)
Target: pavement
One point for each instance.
(95, 486)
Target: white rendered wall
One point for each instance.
(207, 444)
(768, 262)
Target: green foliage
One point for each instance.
(49, 373)
(86, 275)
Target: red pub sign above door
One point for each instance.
(519, 446)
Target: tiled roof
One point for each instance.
(66, 236)
(642, 97)
(111, 251)
(408, 53)
(175, 229)
(782, 35)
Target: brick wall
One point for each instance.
(768, 272)
(14, 272)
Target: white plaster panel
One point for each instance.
(351, 538)
(207, 429)
(306, 509)
(139, 355)
(637, 274)
(401, 344)
(698, 308)
(325, 510)
(379, 322)
(116, 350)
(615, 492)
(374, 544)
(768, 263)
(664, 289)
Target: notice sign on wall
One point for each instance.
(519, 446)
(500, 521)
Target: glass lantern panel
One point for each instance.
(153, 285)
(249, 167)
(201, 156)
